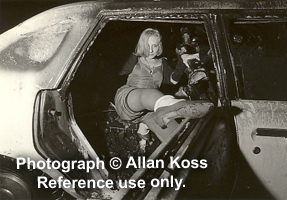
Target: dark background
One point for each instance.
(13, 12)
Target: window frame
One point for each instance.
(264, 17)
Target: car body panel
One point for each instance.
(261, 121)
(40, 56)
(262, 138)
(24, 61)
(57, 31)
(26, 68)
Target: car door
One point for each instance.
(53, 134)
(258, 44)
(35, 56)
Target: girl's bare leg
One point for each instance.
(143, 99)
(166, 106)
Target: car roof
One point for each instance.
(193, 4)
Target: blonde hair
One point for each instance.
(142, 48)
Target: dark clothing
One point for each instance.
(167, 70)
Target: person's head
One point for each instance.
(149, 44)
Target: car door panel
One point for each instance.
(262, 137)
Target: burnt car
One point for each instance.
(60, 72)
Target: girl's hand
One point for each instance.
(186, 57)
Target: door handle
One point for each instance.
(270, 132)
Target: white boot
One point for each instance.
(143, 133)
(166, 100)
(168, 108)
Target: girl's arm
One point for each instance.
(172, 76)
(129, 65)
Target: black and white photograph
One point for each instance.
(143, 99)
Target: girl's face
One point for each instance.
(154, 45)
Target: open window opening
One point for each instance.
(97, 80)
(260, 56)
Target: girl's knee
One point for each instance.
(149, 97)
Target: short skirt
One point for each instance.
(122, 106)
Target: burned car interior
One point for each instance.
(97, 79)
